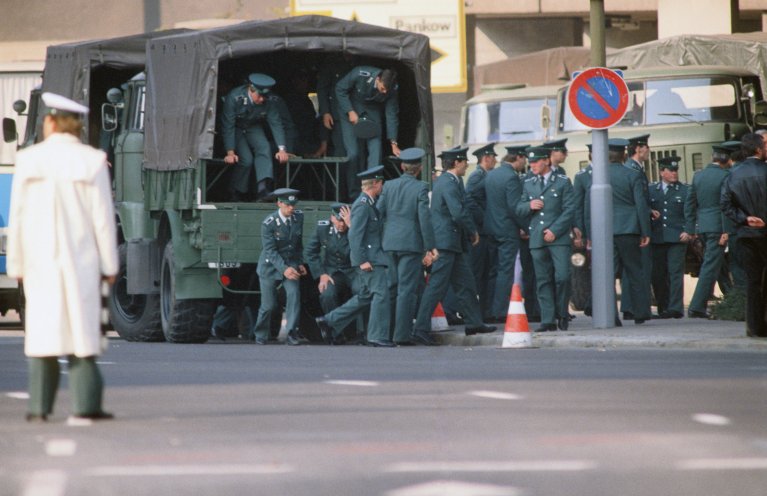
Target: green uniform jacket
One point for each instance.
(670, 224)
(703, 210)
(631, 211)
(557, 213)
(365, 233)
(636, 166)
(332, 70)
(328, 251)
(281, 245)
(404, 206)
(476, 198)
(357, 91)
(451, 220)
(502, 190)
(240, 113)
(581, 189)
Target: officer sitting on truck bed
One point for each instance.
(246, 109)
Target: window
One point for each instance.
(506, 121)
(136, 117)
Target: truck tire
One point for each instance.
(183, 321)
(134, 317)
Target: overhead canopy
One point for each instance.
(748, 50)
(183, 73)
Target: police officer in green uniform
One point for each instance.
(408, 239)
(370, 261)
(246, 109)
(329, 260)
(703, 211)
(454, 229)
(480, 258)
(669, 239)
(502, 190)
(631, 227)
(638, 153)
(281, 262)
(371, 94)
(547, 202)
(557, 155)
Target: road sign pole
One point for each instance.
(602, 277)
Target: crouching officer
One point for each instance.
(328, 256)
(370, 262)
(246, 110)
(281, 261)
(668, 238)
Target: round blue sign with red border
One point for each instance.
(598, 97)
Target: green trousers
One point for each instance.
(85, 383)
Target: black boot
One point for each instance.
(264, 189)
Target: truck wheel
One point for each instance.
(183, 321)
(135, 317)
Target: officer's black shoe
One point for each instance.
(453, 319)
(424, 339)
(618, 322)
(670, 315)
(94, 416)
(587, 311)
(628, 316)
(292, 338)
(405, 343)
(218, 333)
(639, 321)
(563, 323)
(36, 419)
(534, 318)
(339, 340)
(546, 327)
(325, 330)
(570, 316)
(375, 343)
(694, 314)
(261, 340)
(483, 329)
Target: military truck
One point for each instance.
(179, 236)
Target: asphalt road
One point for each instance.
(233, 418)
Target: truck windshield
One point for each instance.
(672, 101)
(513, 120)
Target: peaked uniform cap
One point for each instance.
(516, 149)
(372, 173)
(286, 195)
(455, 153)
(617, 144)
(535, 153)
(642, 140)
(556, 145)
(58, 105)
(727, 147)
(261, 82)
(670, 163)
(412, 155)
(488, 149)
(336, 208)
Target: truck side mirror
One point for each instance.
(108, 117)
(19, 106)
(9, 130)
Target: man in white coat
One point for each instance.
(62, 244)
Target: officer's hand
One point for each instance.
(685, 238)
(282, 156)
(754, 221)
(292, 274)
(324, 281)
(644, 241)
(654, 214)
(111, 280)
(346, 215)
(475, 239)
(327, 121)
(302, 270)
(723, 239)
(536, 204)
(523, 234)
(366, 267)
(353, 117)
(588, 244)
(321, 151)
(435, 254)
(578, 242)
(395, 149)
(549, 236)
(427, 259)
(231, 158)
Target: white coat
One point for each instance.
(61, 240)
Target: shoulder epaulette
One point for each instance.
(268, 220)
(531, 178)
(364, 199)
(365, 73)
(299, 212)
(323, 222)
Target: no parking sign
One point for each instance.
(598, 97)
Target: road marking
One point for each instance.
(453, 488)
(495, 395)
(723, 464)
(46, 483)
(353, 383)
(18, 395)
(521, 466)
(711, 419)
(60, 447)
(171, 470)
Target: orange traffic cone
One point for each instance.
(438, 319)
(517, 331)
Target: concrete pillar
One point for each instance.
(677, 17)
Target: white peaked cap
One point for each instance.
(60, 103)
